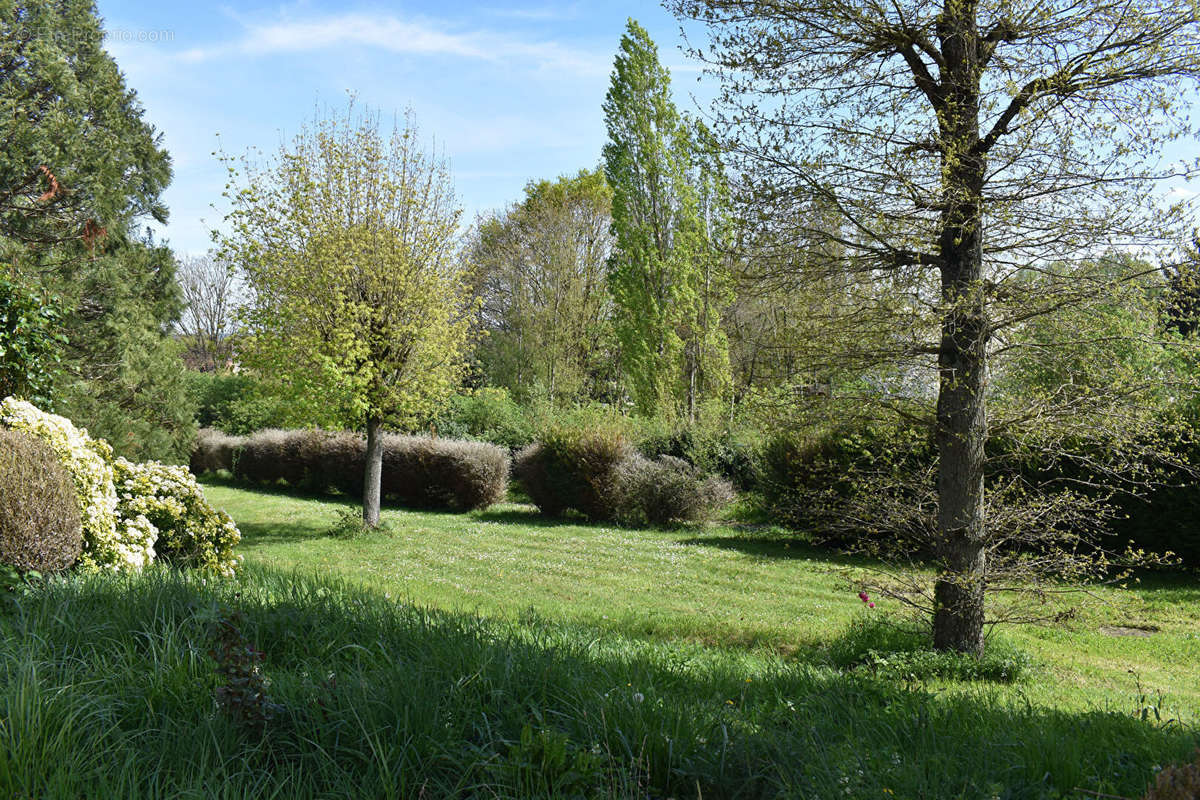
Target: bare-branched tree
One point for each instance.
(212, 295)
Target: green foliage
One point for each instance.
(31, 344)
(710, 444)
(78, 148)
(80, 170)
(242, 403)
(809, 478)
(40, 528)
(191, 533)
(361, 304)
(669, 204)
(350, 525)
(903, 651)
(488, 414)
(575, 467)
(540, 273)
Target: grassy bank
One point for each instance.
(108, 691)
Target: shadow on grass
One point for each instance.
(778, 548)
(368, 689)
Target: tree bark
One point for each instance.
(961, 428)
(373, 474)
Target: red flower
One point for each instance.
(863, 596)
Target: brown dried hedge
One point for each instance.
(39, 512)
(596, 472)
(418, 471)
(214, 451)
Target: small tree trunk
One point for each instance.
(373, 476)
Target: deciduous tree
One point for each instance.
(668, 276)
(348, 239)
(964, 144)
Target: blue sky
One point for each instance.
(509, 92)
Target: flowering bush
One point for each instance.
(190, 532)
(89, 463)
(157, 505)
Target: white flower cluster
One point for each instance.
(129, 509)
(190, 531)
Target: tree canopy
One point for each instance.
(348, 240)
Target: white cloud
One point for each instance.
(392, 34)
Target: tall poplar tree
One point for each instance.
(666, 274)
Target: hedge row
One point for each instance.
(418, 471)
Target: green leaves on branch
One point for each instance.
(667, 275)
(348, 240)
(30, 344)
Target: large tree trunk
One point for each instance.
(373, 474)
(962, 359)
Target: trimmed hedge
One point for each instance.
(214, 451)
(40, 527)
(418, 471)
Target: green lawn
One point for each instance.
(497, 655)
(718, 586)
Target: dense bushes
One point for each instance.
(418, 471)
(190, 533)
(214, 451)
(575, 468)
(118, 531)
(596, 472)
(39, 517)
(489, 415)
(89, 463)
(807, 480)
(667, 490)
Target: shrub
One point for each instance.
(215, 451)
(903, 651)
(717, 450)
(39, 516)
(106, 544)
(575, 468)
(807, 480)
(191, 533)
(667, 490)
(489, 415)
(261, 458)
